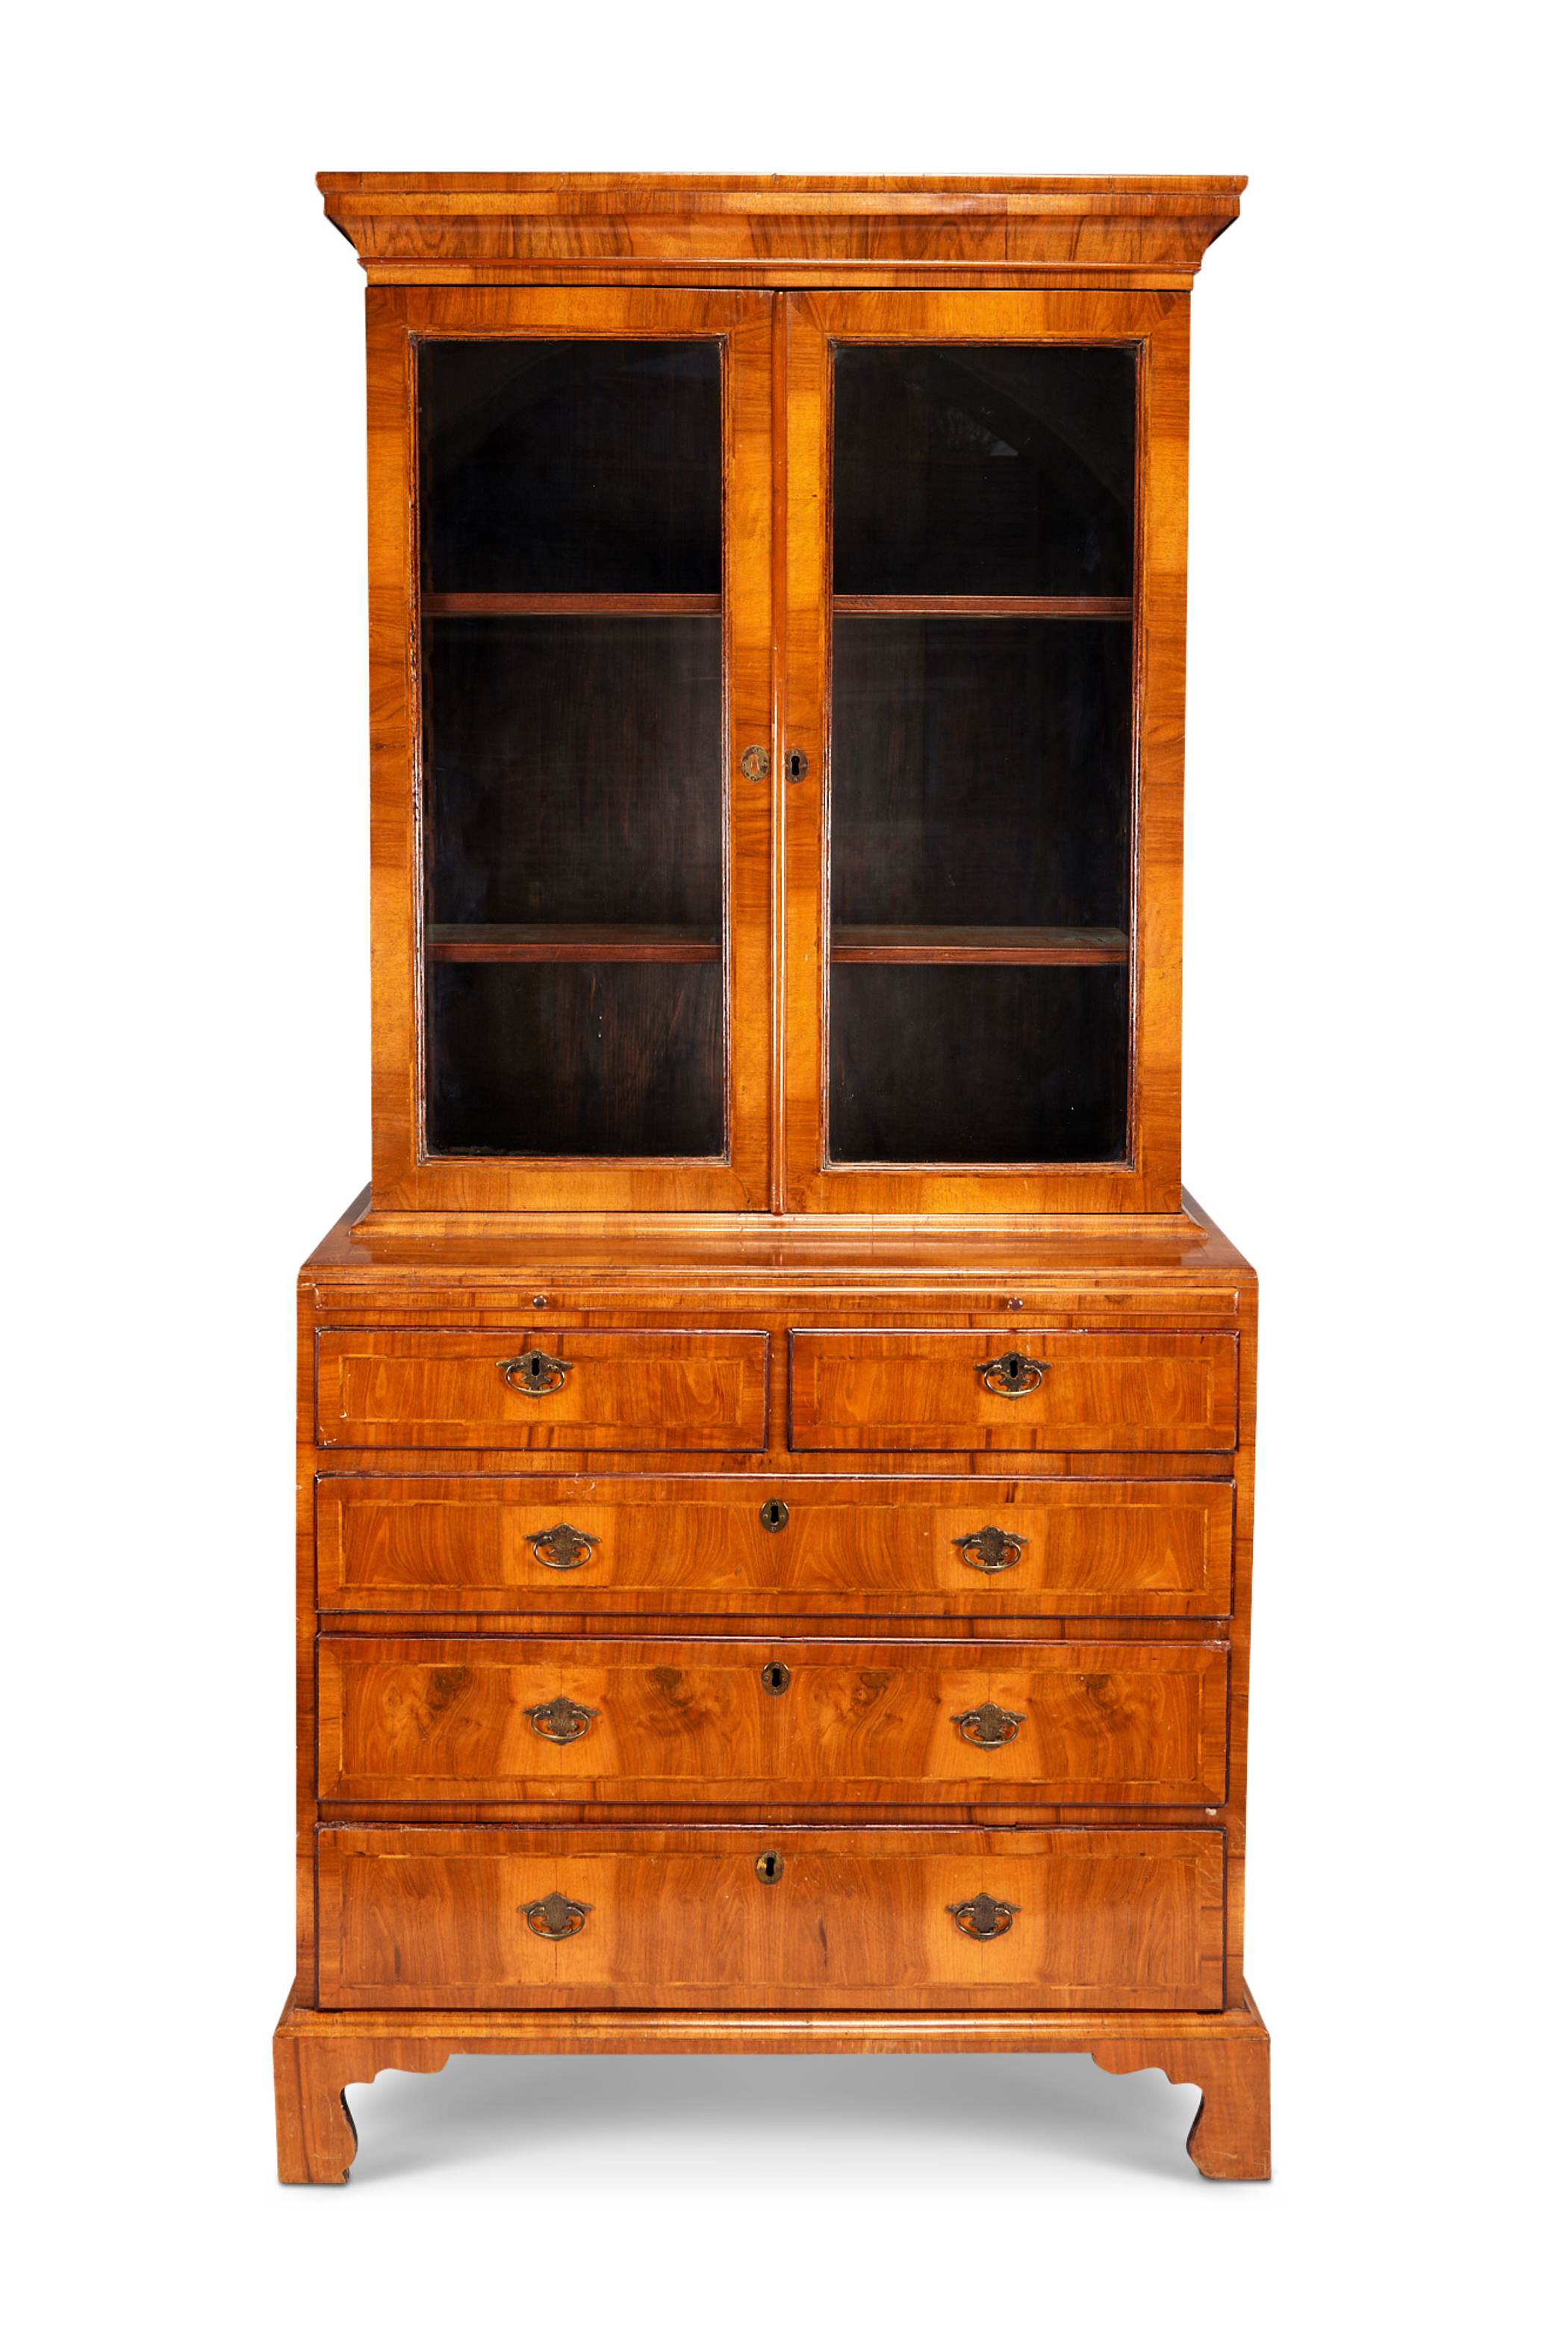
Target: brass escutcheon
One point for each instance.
(754, 763)
(1012, 1375)
(533, 1373)
(770, 1867)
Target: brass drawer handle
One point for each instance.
(988, 1726)
(990, 1551)
(983, 1918)
(556, 1918)
(1012, 1375)
(533, 1373)
(562, 1720)
(562, 1546)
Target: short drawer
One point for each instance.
(972, 1391)
(611, 1391)
(768, 1918)
(747, 1722)
(1069, 1546)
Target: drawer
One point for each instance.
(1007, 1392)
(646, 1722)
(611, 1391)
(1065, 1546)
(682, 1918)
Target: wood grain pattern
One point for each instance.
(423, 1721)
(1124, 1548)
(433, 1917)
(682, 1390)
(921, 1390)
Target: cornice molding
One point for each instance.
(518, 229)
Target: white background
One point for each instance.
(1372, 1110)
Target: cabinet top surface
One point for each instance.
(755, 1253)
(417, 226)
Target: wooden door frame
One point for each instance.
(403, 1177)
(1157, 324)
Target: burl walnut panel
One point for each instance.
(924, 1391)
(1065, 1545)
(746, 1722)
(681, 1918)
(622, 1391)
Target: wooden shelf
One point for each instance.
(984, 608)
(502, 606)
(957, 943)
(571, 943)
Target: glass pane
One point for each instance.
(573, 770)
(980, 768)
(981, 771)
(979, 1062)
(580, 1060)
(982, 469)
(570, 466)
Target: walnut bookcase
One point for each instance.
(776, 1439)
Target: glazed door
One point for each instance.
(986, 587)
(571, 505)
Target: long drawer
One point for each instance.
(771, 1918)
(729, 1546)
(970, 1391)
(735, 1721)
(614, 1390)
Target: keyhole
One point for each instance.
(775, 1515)
(534, 1362)
(1013, 1363)
(770, 1867)
(796, 765)
(776, 1679)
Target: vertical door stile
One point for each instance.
(750, 644)
(806, 631)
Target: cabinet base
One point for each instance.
(317, 2053)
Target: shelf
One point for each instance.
(984, 608)
(504, 606)
(958, 943)
(571, 943)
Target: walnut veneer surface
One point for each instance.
(753, 1603)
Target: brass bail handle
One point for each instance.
(557, 1918)
(982, 1918)
(533, 1373)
